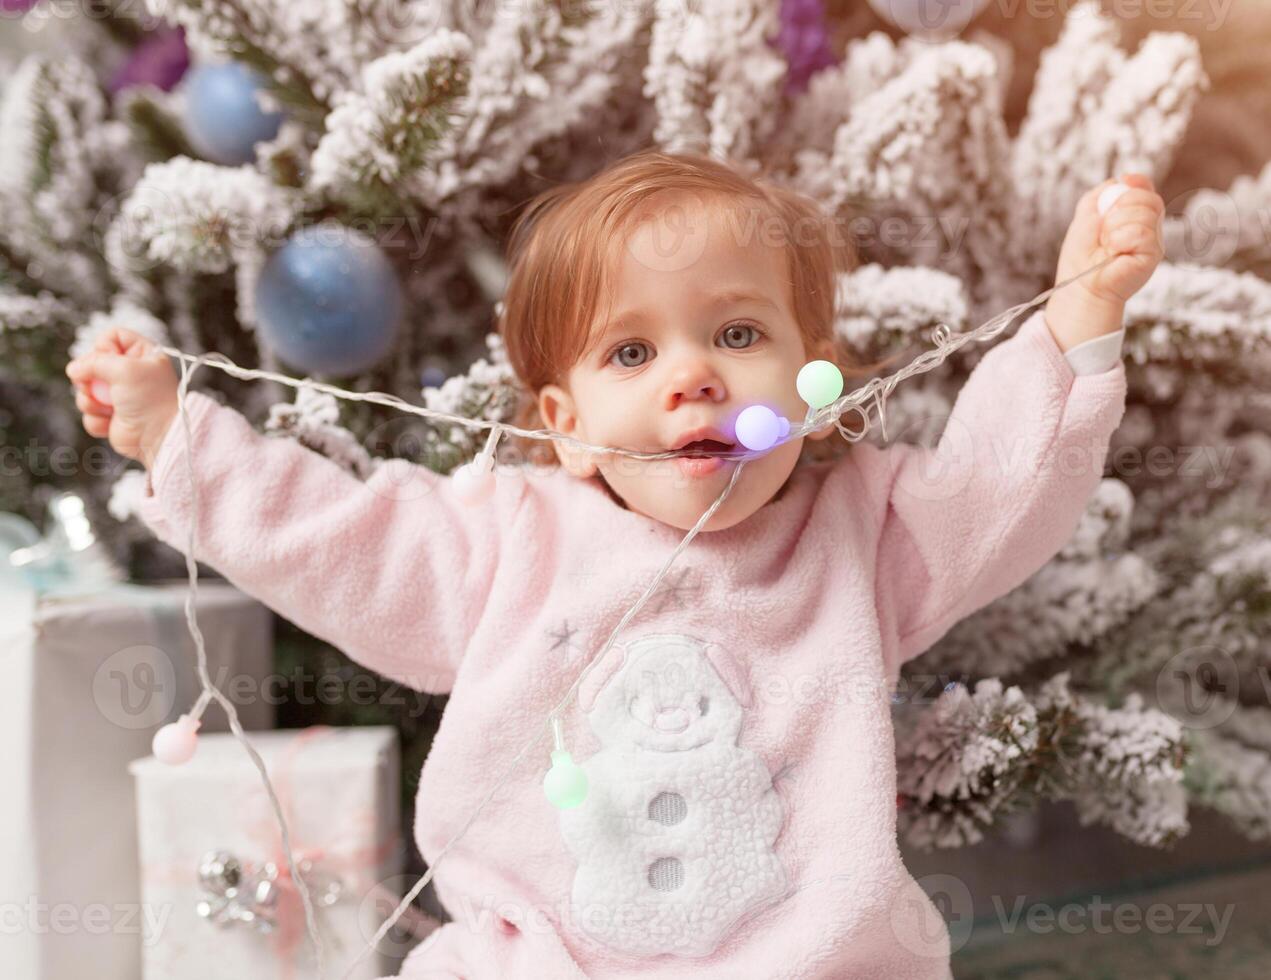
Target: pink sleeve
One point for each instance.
(391, 570)
(1000, 494)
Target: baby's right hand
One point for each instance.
(127, 390)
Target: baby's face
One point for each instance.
(701, 327)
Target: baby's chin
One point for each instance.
(680, 502)
(684, 517)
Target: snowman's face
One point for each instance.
(666, 698)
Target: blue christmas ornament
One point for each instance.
(222, 117)
(328, 302)
(432, 377)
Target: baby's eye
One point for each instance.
(739, 336)
(631, 355)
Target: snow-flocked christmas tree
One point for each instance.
(1129, 675)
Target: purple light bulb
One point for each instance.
(759, 428)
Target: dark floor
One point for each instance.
(1047, 899)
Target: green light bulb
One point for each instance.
(565, 783)
(819, 383)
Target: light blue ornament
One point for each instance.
(329, 302)
(67, 560)
(16, 534)
(565, 783)
(759, 427)
(222, 117)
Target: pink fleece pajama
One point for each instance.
(740, 820)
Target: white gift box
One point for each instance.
(339, 791)
(88, 681)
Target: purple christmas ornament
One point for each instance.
(804, 39)
(11, 7)
(160, 60)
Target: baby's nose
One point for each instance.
(696, 383)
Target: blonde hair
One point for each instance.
(559, 261)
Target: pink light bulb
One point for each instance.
(176, 743)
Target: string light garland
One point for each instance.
(759, 429)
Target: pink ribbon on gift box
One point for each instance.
(291, 923)
(289, 928)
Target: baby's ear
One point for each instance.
(824, 349)
(557, 410)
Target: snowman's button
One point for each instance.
(668, 809)
(666, 874)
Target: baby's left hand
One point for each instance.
(1130, 228)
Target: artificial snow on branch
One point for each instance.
(715, 76)
(539, 71)
(60, 161)
(878, 309)
(1094, 112)
(196, 217)
(313, 419)
(974, 757)
(395, 123)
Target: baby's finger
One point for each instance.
(1132, 215)
(1083, 233)
(97, 425)
(114, 368)
(1133, 179)
(110, 341)
(1135, 197)
(87, 404)
(121, 340)
(1134, 237)
(80, 369)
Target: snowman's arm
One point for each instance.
(766, 804)
(596, 822)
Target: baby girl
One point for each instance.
(740, 815)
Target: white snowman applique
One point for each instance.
(674, 841)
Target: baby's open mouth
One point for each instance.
(704, 448)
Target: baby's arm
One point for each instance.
(1001, 493)
(1020, 455)
(394, 570)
